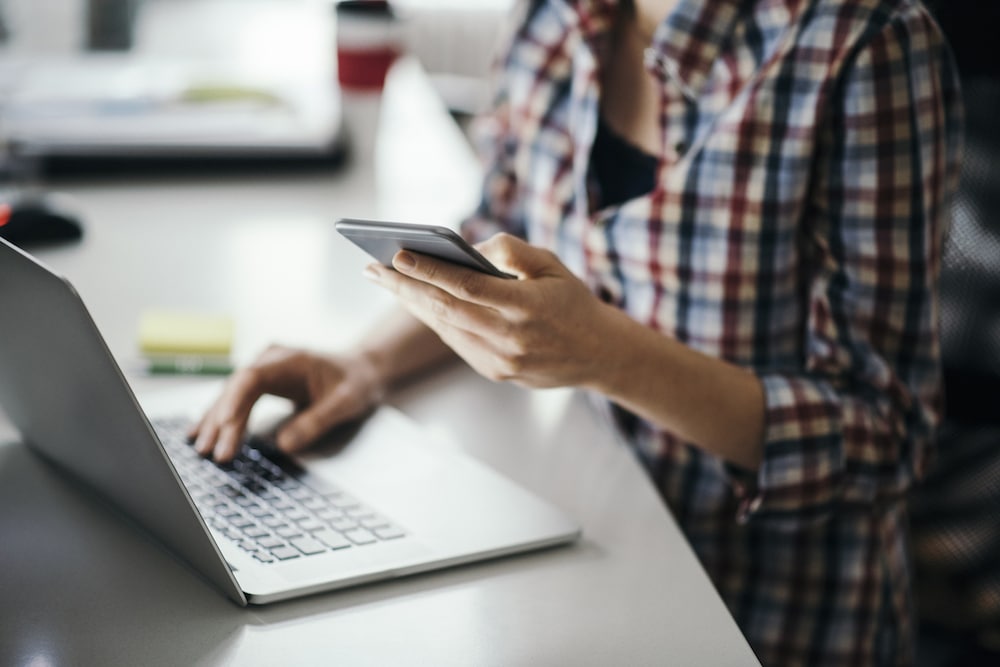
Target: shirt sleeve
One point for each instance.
(855, 425)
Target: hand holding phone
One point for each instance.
(382, 240)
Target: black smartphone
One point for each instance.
(382, 240)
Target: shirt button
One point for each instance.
(747, 507)
(666, 69)
(652, 59)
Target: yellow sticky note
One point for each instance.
(166, 332)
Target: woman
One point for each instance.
(731, 213)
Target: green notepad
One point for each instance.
(189, 334)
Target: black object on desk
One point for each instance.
(38, 220)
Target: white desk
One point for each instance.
(80, 586)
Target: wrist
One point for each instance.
(611, 366)
(372, 368)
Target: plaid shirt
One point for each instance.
(795, 229)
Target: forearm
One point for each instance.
(703, 400)
(547, 329)
(400, 347)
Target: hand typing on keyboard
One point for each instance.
(327, 390)
(260, 503)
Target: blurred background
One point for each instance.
(97, 79)
(222, 131)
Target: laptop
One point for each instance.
(374, 502)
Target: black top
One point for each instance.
(619, 171)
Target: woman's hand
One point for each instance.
(547, 329)
(326, 390)
(542, 330)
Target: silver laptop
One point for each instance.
(373, 503)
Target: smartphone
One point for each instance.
(382, 240)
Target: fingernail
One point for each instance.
(371, 273)
(404, 262)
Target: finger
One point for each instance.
(464, 283)
(430, 302)
(207, 435)
(309, 425)
(228, 417)
(193, 431)
(229, 443)
(520, 257)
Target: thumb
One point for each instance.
(310, 424)
(518, 256)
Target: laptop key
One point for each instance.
(308, 545)
(272, 521)
(263, 557)
(270, 542)
(296, 514)
(270, 496)
(311, 525)
(344, 502)
(322, 486)
(360, 536)
(288, 531)
(314, 503)
(285, 483)
(389, 532)
(329, 514)
(255, 531)
(299, 492)
(332, 539)
(232, 533)
(343, 523)
(357, 511)
(246, 545)
(284, 553)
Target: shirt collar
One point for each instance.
(687, 43)
(593, 17)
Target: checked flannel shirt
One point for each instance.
(810, 150)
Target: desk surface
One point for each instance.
(80, 586)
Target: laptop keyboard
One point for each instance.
(259, 503)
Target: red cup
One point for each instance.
(368, 43)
